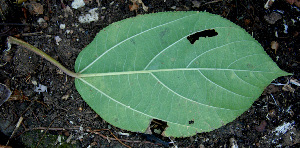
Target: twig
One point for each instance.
(53, 128)
(17, 127)
(119, 140)
(44, 134)
(32, 33)
(275, 102)
(214, 1)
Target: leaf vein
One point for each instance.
(183, 96)
(131, 38)
(220, 86)
(212, 50)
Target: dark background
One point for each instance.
(62, 109)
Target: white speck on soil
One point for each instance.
(40, 88)
(285, 28)
(41, 20)
(57, 39)
(284, 128)
(90, 17)
(77, 4)
(62, 26)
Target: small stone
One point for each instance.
(42, 22)
(40, 88)
(57, 39)
(92, 16)
(65, 97)
(285, 28)
(62, 26)
(233, 143)
(34, 82)
(77, 4)
(196, 4)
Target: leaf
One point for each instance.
(145, 68)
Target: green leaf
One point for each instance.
(145, 68)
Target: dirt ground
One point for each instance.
(60, 118)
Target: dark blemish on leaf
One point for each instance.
(192, 121)
(116, 119)
(132, 41)
(206, 33)
(164, 32)
(250, 66)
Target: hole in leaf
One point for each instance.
(157, 127)
(192, 121)
(206, 33)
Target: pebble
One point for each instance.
(62, 26)
(57, 39)
(77, 4)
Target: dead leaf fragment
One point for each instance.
(196, 4)
(4, 93)
(3, 146)
(290, 1)
(296, 2)
(289, 88)
(270, 89)
(68, 11)
(274, 45)
(272, 18)
(135, 5)
(35, 8)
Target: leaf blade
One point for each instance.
(148, 60)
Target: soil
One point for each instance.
(59, 116)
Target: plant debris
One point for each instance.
(4, 93)
(40, 88)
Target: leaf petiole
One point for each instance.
(13, 40)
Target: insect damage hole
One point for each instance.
(157, 127)
(155, 132)
(206, 33)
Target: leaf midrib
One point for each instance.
(165, 70)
